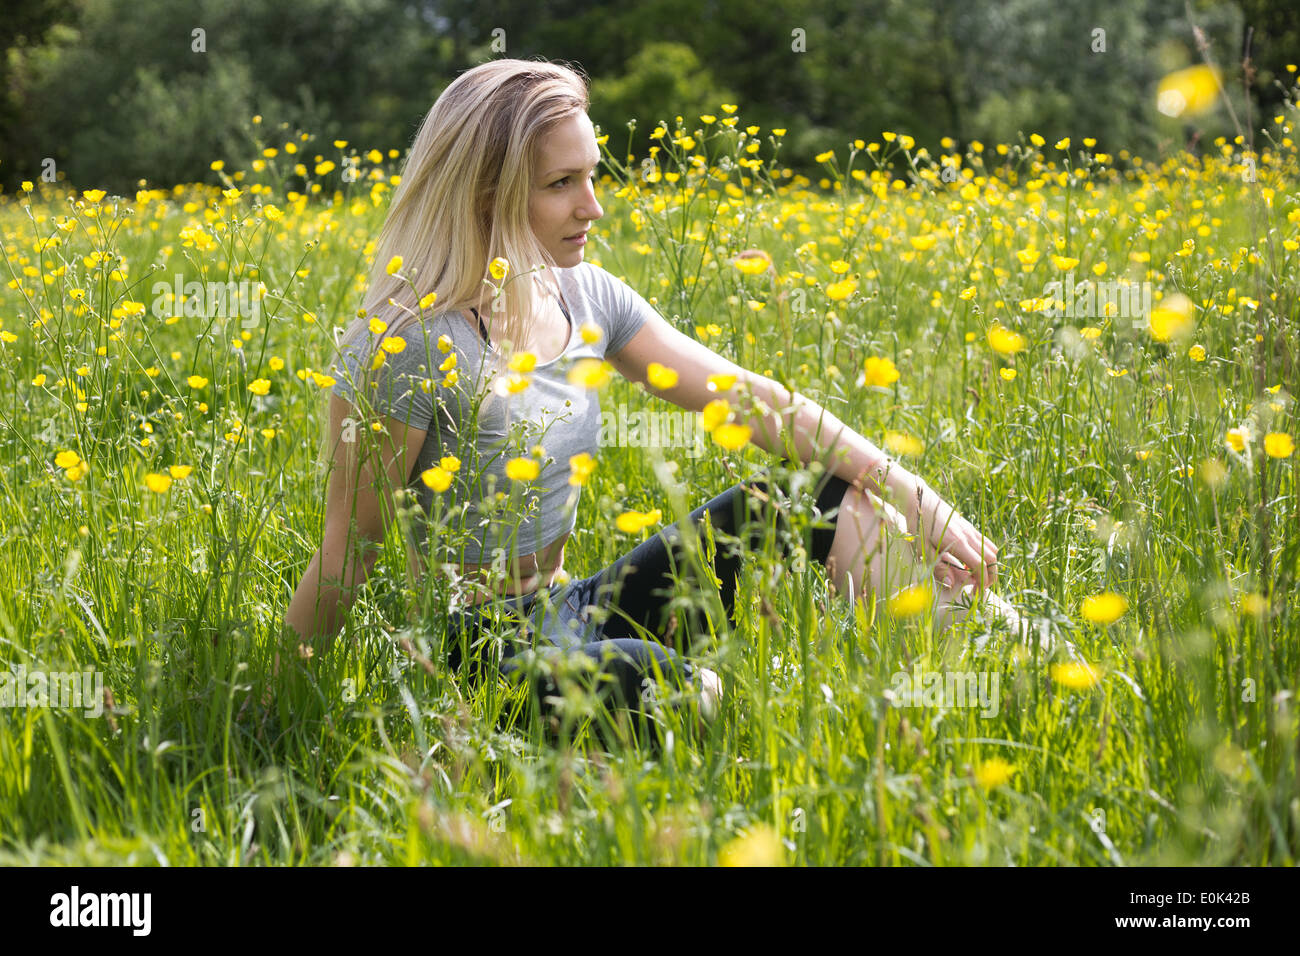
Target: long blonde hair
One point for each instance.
(463, 199)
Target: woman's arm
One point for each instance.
(360, 501)
(779, 417)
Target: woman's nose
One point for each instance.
(591, 206)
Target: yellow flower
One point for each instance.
(760, 846)
(967, 293)
(714, 414)
(449, 463)
(591, 333)
(1074, 675)
(1254, 604)
(721, 382)
(590, 373)
(1104, 608)
(901, 443)
(259, 386)
(523, 362)
(923, 243)
(1036, 139)
(1064, 263)
(39, 380)
(752, 262)
(581, 466)
(825, 157)
(630, 522)
(428, 300)
(1005, 341)
(993, 773)
(67, 459)
(910, 602)
(394, 264)
(322, 381)
(838, 291)
(1196, 353)
(451, 379)
(157, 483)
(522, 469)
(879, 372)
(1278, 445)
(437, 478)
(78, 471)
(1027, 258)
(93, 195)
(448, 363)
(196, 381)
(180, 471)
(1172, 318)
(378, 326)
(1236, 439)
(276, 363)
(499, 268)
(731, 436)
(1008, 374)
(393, 344)
(444, 343)
(661, 376)
(1188, 92)
(1089, 333)
(1063, 144)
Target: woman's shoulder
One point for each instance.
(595, 284)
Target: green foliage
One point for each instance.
(829, 72)
(663, 81)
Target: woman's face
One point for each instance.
(563, 200)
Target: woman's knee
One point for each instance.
(871, 545)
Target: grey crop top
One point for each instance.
(503, 518)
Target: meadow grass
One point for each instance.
(1140, 462)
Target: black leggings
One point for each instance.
(598, 616)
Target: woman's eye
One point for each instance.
(560, 183)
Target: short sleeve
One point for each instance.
(625, 311)
(403, 386)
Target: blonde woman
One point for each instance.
(501, 175)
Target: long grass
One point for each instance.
(1103, 466)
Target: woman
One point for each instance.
(483, 406)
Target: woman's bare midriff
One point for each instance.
(529, 572)
(526, 573)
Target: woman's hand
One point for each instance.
(965, 555)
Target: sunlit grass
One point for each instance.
(161, 498)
